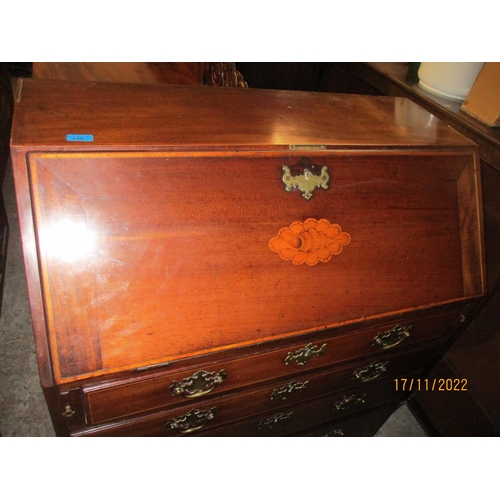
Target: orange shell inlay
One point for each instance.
(311, 241)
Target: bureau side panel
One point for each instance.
(30, 254)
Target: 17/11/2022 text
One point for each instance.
(437, 384)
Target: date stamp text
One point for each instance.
(427, 384)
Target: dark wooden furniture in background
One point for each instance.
(311, 77)
(177, 73)
(225, 262)
(283, 76)
(6, 111)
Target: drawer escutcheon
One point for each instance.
(68, 411)
(392, 337)
(303, 355)
(306, 182)
(199, 384)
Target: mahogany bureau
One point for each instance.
(237, 262)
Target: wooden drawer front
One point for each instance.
(308, 386)
(364, 425)
(152, 393)
(292, 391)
(293, 419)
(223, 417)
(355, 395)
(181, 255)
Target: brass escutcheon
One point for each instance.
(199, 384)
(306, 182)
(68, 411)
(303, 355)
(370, 372)
(192, 421)
(392, 337)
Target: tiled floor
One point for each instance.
(401, 424)
(22, 405)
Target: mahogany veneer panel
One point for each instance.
(157, 259)
(134, 116)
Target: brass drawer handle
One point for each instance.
(348, 402)
(192, 421)
(286, 391)
(304, 354)
(370, 372)
(392, 337)
(271, 422)
(306, 182)
(197, 385)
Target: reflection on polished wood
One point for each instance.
(401, 79)
(258, 118)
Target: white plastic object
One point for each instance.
(449, 79)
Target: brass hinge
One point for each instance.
(306, 147)
(150, 367)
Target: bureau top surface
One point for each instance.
(131, 116)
